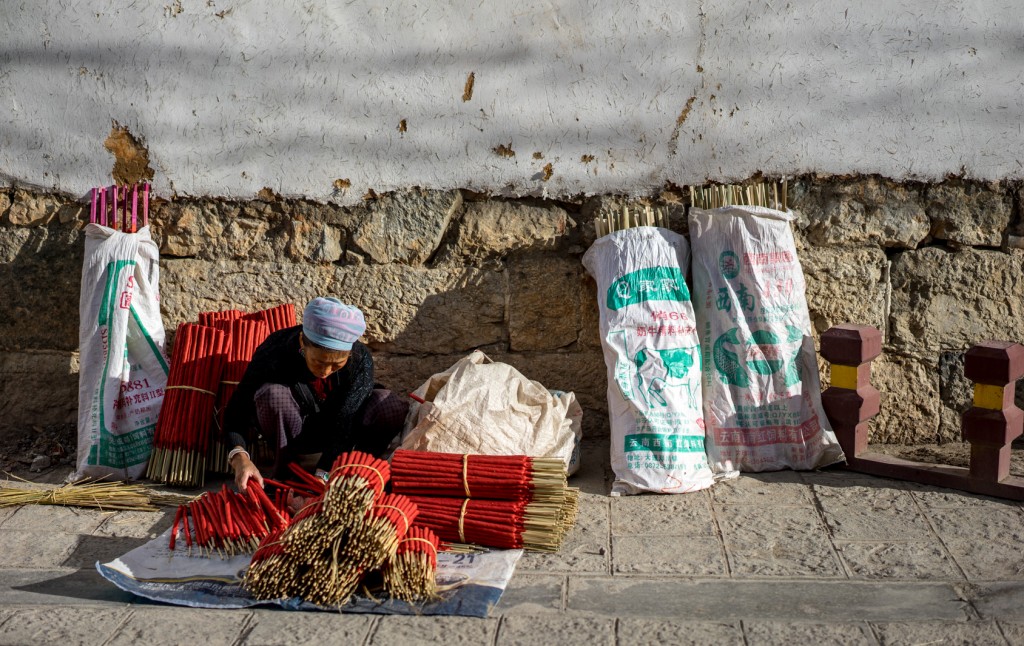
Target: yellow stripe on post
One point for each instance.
(845, 377)
(988, 396)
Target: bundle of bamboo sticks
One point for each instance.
(107, 496)
(110, 207)
(495, 501)
(353, 528)
(773, 195)
(637, 216)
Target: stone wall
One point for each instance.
(440, 273)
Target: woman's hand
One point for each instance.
(245, 470)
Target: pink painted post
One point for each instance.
(994, 420)
(851, 401)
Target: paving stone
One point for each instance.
(916, 561)
(947, 633)
(1002, 600)
(986, 543)
(934, 498)
(433, 630)
(90, 550)
(6, 513)
(686, 514)
(76, 625)
(36, 549)
(51, 518)
(819, 601)
(270, 627)
(879, 517)
(668, 555)
(767, 633)
(530, 594)
(557, 629)
(158, 625)
(63, 587)
(1013, 631)
(137, 524)
(765, 489)
(679, 632)
(776, 541)
(585, 549)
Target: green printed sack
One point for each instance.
(123, 371)
(762, 394)
(649, 337)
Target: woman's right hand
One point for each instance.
(245, 470)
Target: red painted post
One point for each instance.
(851, 401)
(994, 420)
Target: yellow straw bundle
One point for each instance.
(94, 494)
(773, 195)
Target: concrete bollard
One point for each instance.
(851, 401)
(993, 422)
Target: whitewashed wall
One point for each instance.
(230, 96)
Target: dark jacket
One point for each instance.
(277, 361)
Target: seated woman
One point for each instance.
(309, 389)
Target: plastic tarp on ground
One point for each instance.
(470, 584)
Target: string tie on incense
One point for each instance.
(408, 523)
(380, 475)
(462, 517)
(465, 474)
(183, 387)
(421, 540)
(230, 383)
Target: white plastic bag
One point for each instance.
(489, 408)
(651, 349)
(762, 394)
(121, 341)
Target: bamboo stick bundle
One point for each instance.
(637, 216)
(498, 477)
(94, 494)
(351, 529)
(760, 194)
(183, 427)
(410, 575)
(243, 337)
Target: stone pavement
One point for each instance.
(827, 557)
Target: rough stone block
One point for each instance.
(590, 315)
(33, 209)
(42, 282)
(418, 310)
(38, 388)
(944, 300)
(845, 286)
(314, 242)
(5, 204)
(860, 212)
(212, 230)
(911, 405)
(493, 229)
(561, 629)
(71, 625)
(15, 241)
(406, 227)
(544, 304)
(969, 214)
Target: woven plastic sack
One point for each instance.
(652, 352)
(123, 370)
(479, 406)
(762, 394)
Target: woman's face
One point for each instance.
(322, 363)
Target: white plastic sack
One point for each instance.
(762, 394)
(489, 408)
(123, 370)
(651, 349)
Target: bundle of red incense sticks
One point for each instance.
(182, 436)
(244, 336)
(213, 318)
(411, 573)
(119, 207)
(513, 501)
(352, 529)
(228, 523)
(276, 318)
